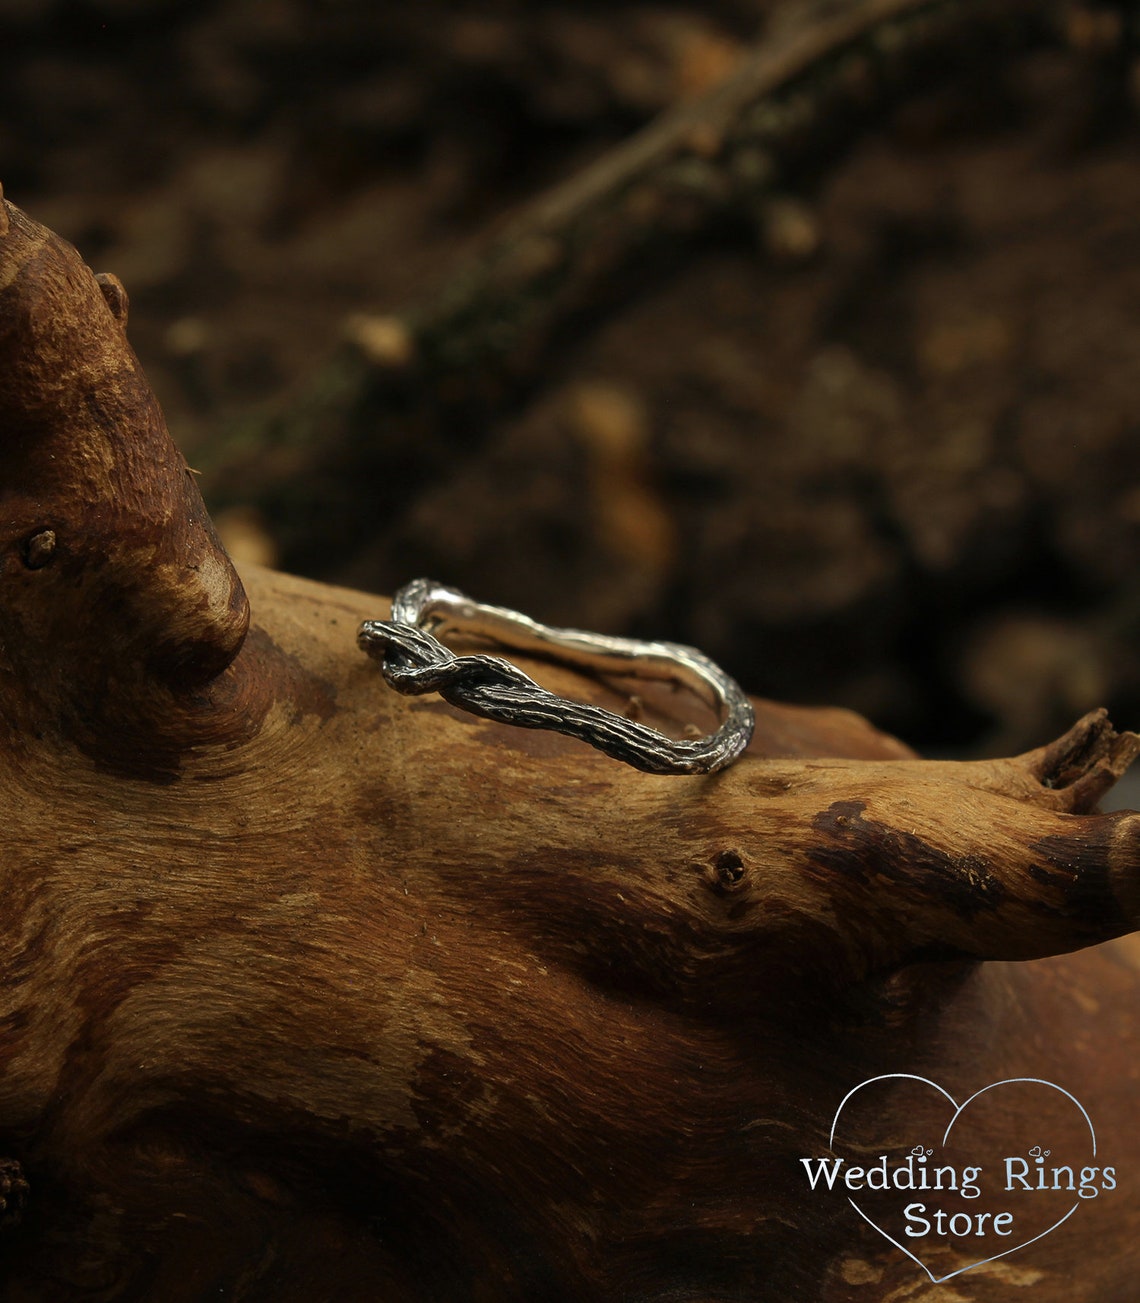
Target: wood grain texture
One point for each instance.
(310, 991)
(118, 598)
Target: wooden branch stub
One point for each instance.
(116, 592)
(1087, 761)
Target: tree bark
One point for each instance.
(312, 991)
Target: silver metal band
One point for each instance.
(414, 660)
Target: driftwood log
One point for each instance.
(311, 991)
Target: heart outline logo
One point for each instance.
(958, 1110)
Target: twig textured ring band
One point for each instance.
(414, 660)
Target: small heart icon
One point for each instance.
(979, 1195)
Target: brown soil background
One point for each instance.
(872, 442)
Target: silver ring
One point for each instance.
(414, 660)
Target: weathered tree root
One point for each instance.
(312, 991)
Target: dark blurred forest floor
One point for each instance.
(866, 433)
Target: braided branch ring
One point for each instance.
(414, 660)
